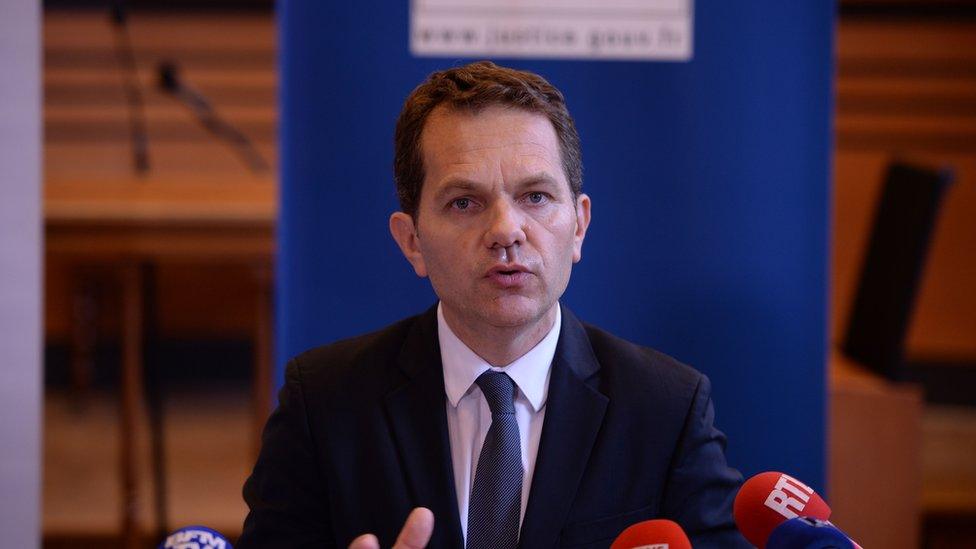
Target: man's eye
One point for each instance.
(537, 198)
(461, 203)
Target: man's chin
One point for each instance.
(515, 312)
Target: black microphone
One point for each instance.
(171, 82)
(133, 90)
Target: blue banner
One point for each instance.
(710, 188)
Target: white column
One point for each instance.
(21, 395)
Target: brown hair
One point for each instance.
(474, 87)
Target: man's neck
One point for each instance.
(501, 345)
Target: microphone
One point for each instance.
(768, 499)
(808, 533)
(652, 534)
(126, 58)
(171, 82)
(195, 537)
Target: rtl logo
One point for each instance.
(789, 496)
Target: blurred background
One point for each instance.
(160, 201)
(160, 168)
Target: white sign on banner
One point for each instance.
(570, 29)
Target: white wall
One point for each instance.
(20, 274)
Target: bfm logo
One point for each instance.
(195, 537)
(789, 497)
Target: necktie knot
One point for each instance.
(499, 391)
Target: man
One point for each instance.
(502, 416)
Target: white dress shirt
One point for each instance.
(468, 415)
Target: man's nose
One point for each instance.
(505, 226)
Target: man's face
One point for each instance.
(497, 228)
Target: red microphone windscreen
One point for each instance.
(652, 534)
(768, 499)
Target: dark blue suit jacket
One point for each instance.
(360, 438)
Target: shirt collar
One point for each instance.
(530, 372)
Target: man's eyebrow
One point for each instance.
(455, 184)
(541, 178)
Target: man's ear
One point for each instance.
(582, 222)
(405, 233)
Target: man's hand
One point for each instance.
(415, 534)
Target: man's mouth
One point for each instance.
(508, 269)
(509, 275)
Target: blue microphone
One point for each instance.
(808, 533)
(195, 537)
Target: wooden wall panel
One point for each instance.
(907, 90)
(230, 58)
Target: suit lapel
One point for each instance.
(417, 415)
(574, 414)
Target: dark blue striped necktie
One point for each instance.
(496, 496)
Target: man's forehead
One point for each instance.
(452, 134)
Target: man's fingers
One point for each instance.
(415, 534)
(417, 530)
(365, 541)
